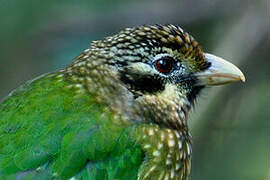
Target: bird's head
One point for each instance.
(163, 66)
(153, 58)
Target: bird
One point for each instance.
(119, 110)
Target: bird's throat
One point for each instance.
(169, 109)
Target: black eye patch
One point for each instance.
(141, 82)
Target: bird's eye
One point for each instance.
(164, 65)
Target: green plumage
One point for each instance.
(61, 134)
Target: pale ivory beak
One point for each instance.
(220, 72)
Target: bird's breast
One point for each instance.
(168, 152)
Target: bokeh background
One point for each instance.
(230, 124)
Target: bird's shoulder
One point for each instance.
(46, 127)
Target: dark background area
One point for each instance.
(230, 124)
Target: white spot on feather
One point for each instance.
(156, 153)
(150, 132)
(171, 143)
(172, 173)
(177, 166)
(160, 145)
(147, 146)
(168, 162)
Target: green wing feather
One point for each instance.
(47, 132)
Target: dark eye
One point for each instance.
(164, 65)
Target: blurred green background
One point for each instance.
(230, 124)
